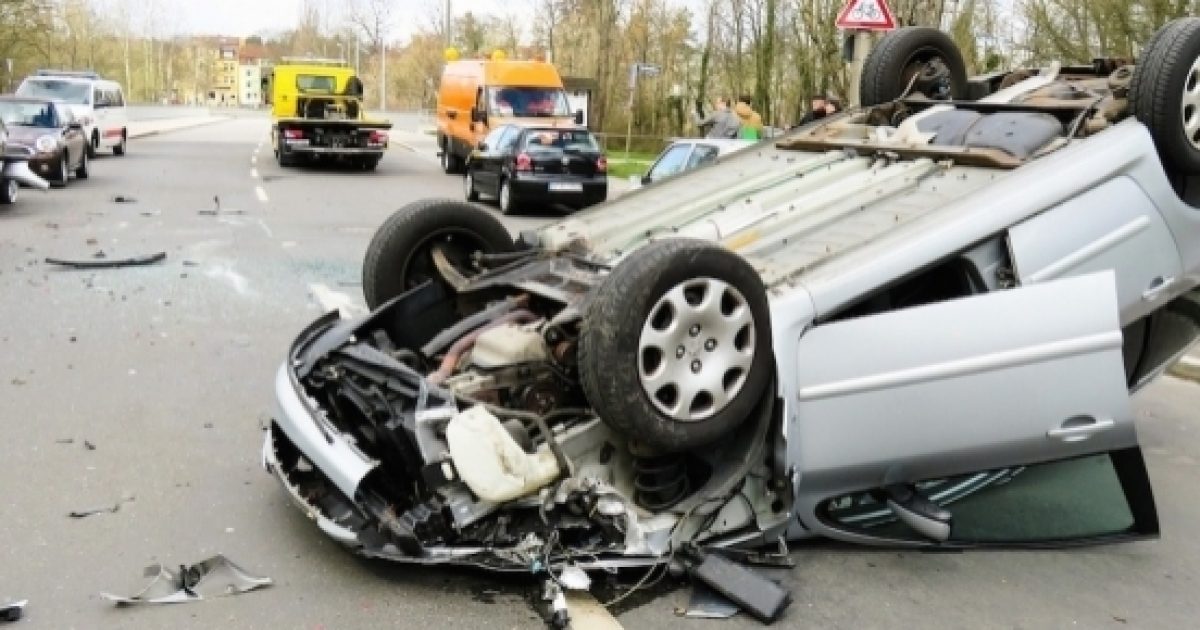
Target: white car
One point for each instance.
(98, 104)
(686, 154)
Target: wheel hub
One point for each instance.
(1191, 105)
(696, 349)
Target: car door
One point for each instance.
(72, 134)
(1113, 226)
(1027, 380)
(483, 161)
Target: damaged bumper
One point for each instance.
(16, 167)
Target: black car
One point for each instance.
(526, 166)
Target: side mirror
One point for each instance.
(478, 115)
(579, 117)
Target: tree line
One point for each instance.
(780, 52)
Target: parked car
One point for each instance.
(14, 169)
(98, 105)
(686, 154)
(538, 165)
(50, 129)
(863, 331)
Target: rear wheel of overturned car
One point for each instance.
(402, 254)
(1164, 94)
(675, 348)
(9, 191)
(913, 60)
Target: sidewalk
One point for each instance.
(145, 128)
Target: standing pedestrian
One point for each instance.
(751, 124)
(721, 123)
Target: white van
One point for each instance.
(97, 103)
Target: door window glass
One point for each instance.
(508, 140)
(492, 140)
(671, 162)
(1066, 500)
(704, 154)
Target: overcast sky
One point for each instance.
(247, 17)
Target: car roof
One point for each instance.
(12, 98)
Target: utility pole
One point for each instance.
(356, 57)
(449, 23)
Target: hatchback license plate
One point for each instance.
(566, 187)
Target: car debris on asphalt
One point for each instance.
(12, 611)
(215, 577)
(106, 263)
(112, 509)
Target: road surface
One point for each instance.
(167, 371)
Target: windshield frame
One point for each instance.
(521, 97)
(33, 106)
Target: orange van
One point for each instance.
(478, 95)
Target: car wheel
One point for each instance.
(506, 198)
(81, 171)
(675, 347)
(94, 145)
(119, 148)
(370, 164)
(9, 192)
(1164, 93)
(400, 256)
(451, 164)
(922, 57)
(285, 160)
(469, 187)
(64, 173)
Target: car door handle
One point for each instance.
(1158, 286)
(1081, 428)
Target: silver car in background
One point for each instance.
(916, 324)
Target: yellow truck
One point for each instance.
(318, 114)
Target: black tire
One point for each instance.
(506, 198)
(63, 176)
(451, 163)
(900, 54)
(370, 164)
(469, 189)
(611, 358)
(119, 148)
(9, 191)
(284, 158)
(1163, 74)
(93, 144)
(81, 171)
(399, 256)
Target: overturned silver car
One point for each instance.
(913, 324)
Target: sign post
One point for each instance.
(636, 70)
(860, 18)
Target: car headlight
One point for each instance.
(46, 144)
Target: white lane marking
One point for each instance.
(265, 228)
(288, 244)
(254, 173)
(261, 193)
(335, 300)
(254, 158)
(589, 614)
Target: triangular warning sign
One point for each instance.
(874, 15)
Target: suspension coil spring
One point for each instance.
(660, 481)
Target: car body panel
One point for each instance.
(929, 397)
(67, 135)
(573, 172)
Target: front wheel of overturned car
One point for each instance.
(1164, 93)
(9, 190)
(405, 251)
(913, 59)
(675, 347)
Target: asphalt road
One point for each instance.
(167, 371)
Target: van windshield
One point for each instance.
(70, 92)
(528, 101)
(315, 83)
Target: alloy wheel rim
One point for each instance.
(1190, 105)
(696, 349)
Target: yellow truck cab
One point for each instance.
(478, 95)
(318, 114)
